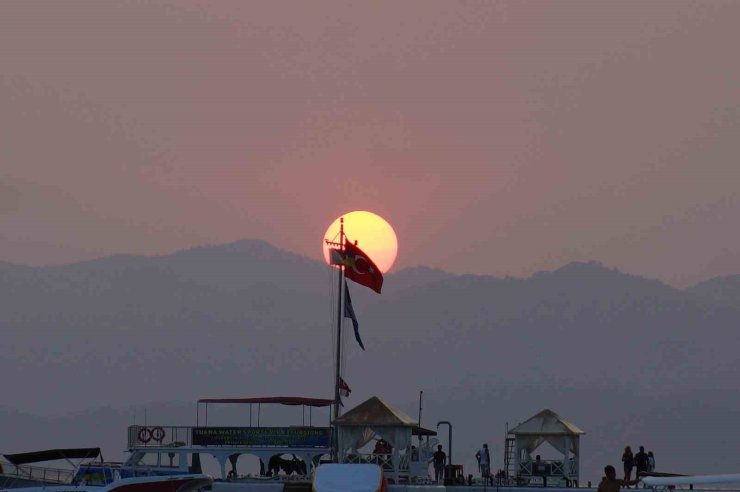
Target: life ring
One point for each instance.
(145, 435)
(158, 434)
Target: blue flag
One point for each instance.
(349, 312)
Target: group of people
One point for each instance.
(642, 462)
(483, 456)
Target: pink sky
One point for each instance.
(497, 137)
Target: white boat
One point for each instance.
(669, 481)
(153, 483)
(289, 452)
(21, 472)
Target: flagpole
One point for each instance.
(340, 314)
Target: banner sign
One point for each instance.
(292, 437)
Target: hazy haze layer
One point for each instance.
(497, 137)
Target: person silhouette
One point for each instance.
(629, 461)
(439, 458)
(610, 482)
(641, 462)
(484, 461)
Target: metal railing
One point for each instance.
(38, 473)
(385, 461)
(548, 468)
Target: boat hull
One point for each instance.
(175, 483)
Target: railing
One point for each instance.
(38, 473)
(548, 468)
(385, 461)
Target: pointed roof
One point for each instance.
(378, 413)
(546, 422)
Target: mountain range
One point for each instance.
(630, 360)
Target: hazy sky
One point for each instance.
(497, 137)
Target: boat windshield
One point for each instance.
(94, 475)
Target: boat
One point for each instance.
(22, 472)
(151, 483)
(290, 452)
(670, 481)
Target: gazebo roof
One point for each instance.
(546, 423)
(378, 413)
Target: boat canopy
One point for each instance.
(52, 454)
(278, 400)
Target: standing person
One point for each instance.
(629, 462)
(439, 458)
(641, 462)
(651, 462)
(610, 482)
(484, 461)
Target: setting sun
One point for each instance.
(373, 234)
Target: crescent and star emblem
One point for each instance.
(352, 262)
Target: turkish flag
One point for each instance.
(344, 389)
(360, 268)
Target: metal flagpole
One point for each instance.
(340, 315)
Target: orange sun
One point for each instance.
(373, 234)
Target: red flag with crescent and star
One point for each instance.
(360, 268)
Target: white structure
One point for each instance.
(375, 418)
(178, 449)
(547, 426)
(338, 477)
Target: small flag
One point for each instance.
(336, 257)
(349, 312)
(344, 389)
(360, 268)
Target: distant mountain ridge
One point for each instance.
(252, 287)
(259, 249)
(723, 290)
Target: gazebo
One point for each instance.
(547, 426)
(375, 417)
